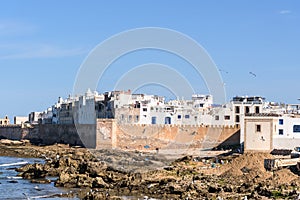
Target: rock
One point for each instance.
(99, 183)
(96, 169)
(79, 153)
(12, 181)
(40, 181)
(213, 189)
(66, 180)
(169, 168)
(25, 142)
(35, 172)
(184, 159)
(24, 168)
(228, 188)
(10, 142)
(84, 181)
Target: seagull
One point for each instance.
(221, 70)
(252, 74)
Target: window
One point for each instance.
(167, 120)
(129, 118)
(201, 105)
(217, 117)
(179, 116)
(258, 128)
(280, 132)
(137, 118)
(237, 109)
(144, 109)
(237, 118)
(187, 116)
(153, 120)
(247, 110)
(256, 109)
(280, 121)
(227, 117)
(296, 129)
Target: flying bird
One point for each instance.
(221, 70)
(252, 74)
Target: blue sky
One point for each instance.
(43, 44)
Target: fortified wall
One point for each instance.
(108, 134)
(153, 136)
(175, 136)
(17, 132)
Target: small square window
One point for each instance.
(280, 121)
(144, 109)
(227, 117)
(258, 128)
(187, 116)
(296, 128)
(280, 131)
(179, 116)
(217, 117)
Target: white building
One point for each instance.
(20, 120)
(265, 132)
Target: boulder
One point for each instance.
(40, 181)
(99, 183)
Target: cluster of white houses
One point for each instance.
(264, 125)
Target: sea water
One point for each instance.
(14, 187)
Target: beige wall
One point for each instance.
(255, 140)
(106, 134)
(174, 136)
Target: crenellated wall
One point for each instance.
(108, 134)
(176, 136)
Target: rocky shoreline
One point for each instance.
(107, 174)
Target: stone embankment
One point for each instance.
(232, 176)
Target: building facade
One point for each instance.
(5, 121)
(265, 132)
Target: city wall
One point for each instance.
(48, 134)
(108, 134)
(176, 136)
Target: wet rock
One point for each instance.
(34, 171)
(12, 181)
(41, 181)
